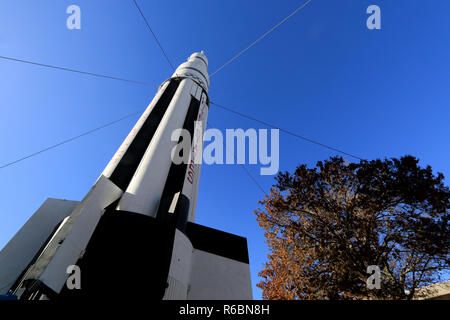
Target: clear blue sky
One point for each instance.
(322, 74)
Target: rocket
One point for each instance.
(134, 233)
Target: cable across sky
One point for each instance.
(70, 139)
(74, 70)
(260, 38)
(154, 35)
(247, 172)
(285, 130)
(171, 65)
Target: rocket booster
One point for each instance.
(136, 224)
(144, 190)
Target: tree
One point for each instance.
(324, 226)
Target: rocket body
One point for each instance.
(135, 230)
(145, 189)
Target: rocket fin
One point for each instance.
(68, 244)
(20, 250)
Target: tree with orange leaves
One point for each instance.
(326, 225)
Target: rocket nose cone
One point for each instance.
(196, 67)
(199, 55)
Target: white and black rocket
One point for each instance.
(133, 234)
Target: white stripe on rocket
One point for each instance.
(132, 135)
(147, 185)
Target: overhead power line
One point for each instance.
(71, 139)
(244, 168)
(262, 37)
(253, 179)
(285, 131)
(154, 35)
(73, 70)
